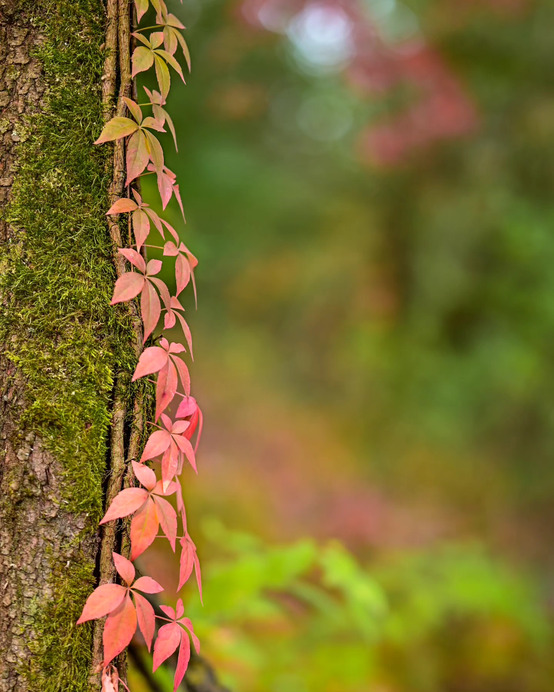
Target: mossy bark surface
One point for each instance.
(61, 345)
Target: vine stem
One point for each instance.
(117, 70)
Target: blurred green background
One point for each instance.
(369, 188)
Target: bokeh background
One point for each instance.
(368, 185)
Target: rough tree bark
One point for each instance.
(61, 347)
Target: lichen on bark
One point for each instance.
(60, 342)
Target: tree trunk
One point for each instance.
(61, 345)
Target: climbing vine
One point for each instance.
(140, 484)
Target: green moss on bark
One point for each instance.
(60, 331)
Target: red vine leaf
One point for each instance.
(168, 639)
(186, 561)
(124, 567)
(127, 287)
(124, 503)
(102, 601)
(157, 443)
(145, 475)
(151, 360)
(168, 519)
(150, 309)
(120, 626)
(144, 527)
(182, 661)
(147, 585)
(121, 206)
(146, 618)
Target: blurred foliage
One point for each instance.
(373, 355)
(305, 616)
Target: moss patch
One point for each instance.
(61, 332)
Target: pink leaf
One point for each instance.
(147, 585)
(119, 629)
(166, 388)
(127, 287)
(198, 576)
(182, 661)
(186, 562)
(150, 309)
(165, 186)
(179, 427)
(124, 567)
(151, 360)
(175, 347)
(183, 373)
(102, 601)
(170, 249)
(144, 527)
(117, 128)
(166, 642)
(182, 272)
(170, 228)
(177, 194)
(121, 206)
(134, 257)
(154, 267)
(146, 618)
(141, 227)
(168, 519)
(187, 407)
(169, 319)
(187, 333)
(167, 610)
(162, 288)
(179, 609)
(145, 475)
(155, 220)
(170, 460)
(137, 156)
(157, 443)
(188, 624)
(124, 503)
(187, 449)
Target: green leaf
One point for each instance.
(142, 60)
(170, 60)
(155, 151)
(162, 75)
(117, 128)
